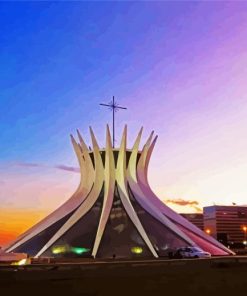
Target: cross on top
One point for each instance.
(114, 107)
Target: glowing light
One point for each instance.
(22, 262)
(208, 231)
(136, 250)
(59, 249)
(245, 242)
(78, 250)
(244, 228)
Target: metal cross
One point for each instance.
(114, 107)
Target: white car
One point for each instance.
(191, 252)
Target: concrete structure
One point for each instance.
(228, 224)
(114, 212)
(11, 257)
(195, 218)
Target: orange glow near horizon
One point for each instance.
(33, 197)
(14, 222)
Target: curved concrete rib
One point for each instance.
(88, 168)
(141, 198)
(70, 205)
(123, 193)
(142, 177)
(98, 178)
(131, 170)
(108, 192)
(142, 166)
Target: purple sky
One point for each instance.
(179, 67)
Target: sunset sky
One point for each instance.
(179, 67)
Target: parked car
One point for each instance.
(191, 252)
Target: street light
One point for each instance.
(245, 230)
(208, 231)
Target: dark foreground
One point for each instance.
(217, 276)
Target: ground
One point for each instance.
(221, 276)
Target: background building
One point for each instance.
(228, 224)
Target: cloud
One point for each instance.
(67, 168)
(38, 165)
(28, 164)
(181, 202)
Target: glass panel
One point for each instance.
(121, 238)
(163, 239)
(34, 245)
(115, 156)
(79, 239)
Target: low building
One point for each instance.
(195, 218)
(11, 257)
(228, 224)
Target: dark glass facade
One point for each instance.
(78, 241)
(115, 155)
(121, 238)
(33, 246)
(162, 238)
